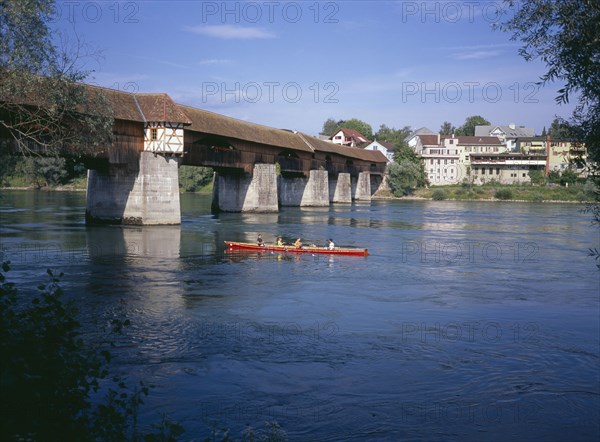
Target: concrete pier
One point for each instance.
(340, 189)
(362, 187)
(241, 192)
(142, 193)
(305, 192)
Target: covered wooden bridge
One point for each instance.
(134, 179)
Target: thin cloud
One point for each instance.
(215, 61)
(476, 55)
(230, 32)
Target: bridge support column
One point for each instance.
(246, 193)
(305, 192)
(146, 192)
(340, 189)
(362, 190)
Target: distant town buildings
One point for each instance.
(507, 156)
(502, 153)
(507, 134)
(382, 146)
(348, 137)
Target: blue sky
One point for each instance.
(294, 64)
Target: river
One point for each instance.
(467, 321)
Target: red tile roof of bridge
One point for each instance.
(159, 107)
(212, 123)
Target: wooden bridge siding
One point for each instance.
(247, 153)
(128, 142)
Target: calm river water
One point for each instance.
(468, 321)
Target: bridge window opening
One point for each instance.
(287, 154)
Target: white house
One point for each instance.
(386, 148)
(507, 134)
(348, 137)
(413, 138)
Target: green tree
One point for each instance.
(330, 126)
(537, 176)
(564, 34)
(554, 176)
(468, 128)
(568, 176)
(50, 375)
(42, 105)
(560, 129)
(403, 177)
(404, 153)
(193, 178)
(392, 135)
(447, 128)
(359, 125)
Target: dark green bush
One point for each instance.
(504, 194)
(439, 195)
(48, 375)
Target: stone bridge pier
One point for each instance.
(146, 191)
(237, 191)
(139, 192)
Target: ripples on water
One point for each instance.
(469, 321)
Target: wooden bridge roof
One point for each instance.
(159, 107)
(212, 123)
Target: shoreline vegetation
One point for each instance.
(574, 194)
(58, 174)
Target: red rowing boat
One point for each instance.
(252, 247)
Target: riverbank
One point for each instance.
(576, 193)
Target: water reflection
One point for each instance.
(118, 242)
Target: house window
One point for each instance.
(491, 171)
(497, 171)
(523, 175)
(451, 161)
(483, 171)
(445, 161)
(451, 141)
(154, 134)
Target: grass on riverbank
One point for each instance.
(526, 192)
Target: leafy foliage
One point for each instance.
(360, 126)
(192, 178)
(468, 128)
(439, 195)
(43, 107)
(330, 126)
(49, 374)
(404, 176)
(504, 194)
(447, 128)
(565, 35)
(393, 135)
(537, 176)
